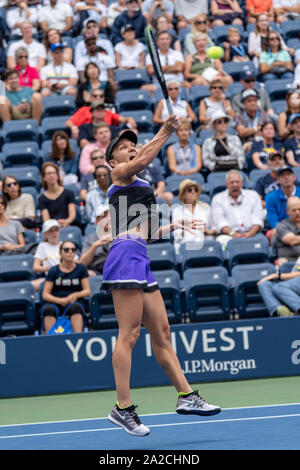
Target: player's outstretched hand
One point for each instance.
(171, 124)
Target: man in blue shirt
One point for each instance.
(276, 200)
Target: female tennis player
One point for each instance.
(136, 296)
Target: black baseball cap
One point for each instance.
(284, 168)
(130, 135)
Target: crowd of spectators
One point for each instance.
(61, 48)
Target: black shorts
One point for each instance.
(55, 310)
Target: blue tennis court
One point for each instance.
(263, 427)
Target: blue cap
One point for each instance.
(58, 45)
(285, 168)
(293, 117)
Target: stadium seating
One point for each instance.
(133, 100)
(197, 256)
(49, 125)
(72, 233)
(207, 293)
(58, 106)
(162, 256)
(20, 130)
(278, 89)
(16, 268)
(17, 308)
(20, 153)
(127, 79)
(247, 250)
(27, 175)
(102, 313)
(169, 284)
(143, 119)
(235, 69)
(290, 29)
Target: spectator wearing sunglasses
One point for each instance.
(213, 103)
(28, 76)
(88, 181)
(186, 10)
(247, 79)
(19, 205)
(98, 196)
(274, 61)
(66, 285)
(199, 25)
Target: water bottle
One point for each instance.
(82, 211)
(38, 234)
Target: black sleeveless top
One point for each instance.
(132, 205)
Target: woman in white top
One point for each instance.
(130, 53)
(213, 103)
(181, 108)
(19, 206)
(191, 207)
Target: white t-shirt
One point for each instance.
(201, 211)
(56, 17)
(35, 49)
(58, 73)
(80, 49)
(103, 61)
(49, 254)
(18, 15)
(130, 55)
(179, 108)
(169, 59)
(94, 15)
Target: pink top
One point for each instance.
(26, 76)
(85, 163)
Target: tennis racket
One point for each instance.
(153, 51)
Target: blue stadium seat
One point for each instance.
(207, 293)
(16, 268)
(197, 93)
(210, 254)
(247, 299)
(101, 306)
(20, 153)
(169, 284)
(173, 181)
(20, 130)
(30, 237)
(27, 175)
(131, 78)
(144, 137)
(72, 233)
(278, 89)
(162, 256)
(247, 250)
(76, 191)
(133, 100)
(234, 88)
(143, 119)
(58, 105)
(278, 106)
(235, 69)
(49, 125)
(293, 43)
(255, 174)
(290, 29)
(17, 308)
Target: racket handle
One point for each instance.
(169, 106)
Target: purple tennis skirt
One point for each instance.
(127, 266)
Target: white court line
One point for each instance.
(149, 414)
(151, 426)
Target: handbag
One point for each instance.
(210, 73)
(278, 70)
(62, 325)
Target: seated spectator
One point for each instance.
(114, 10)
(102, 135)
(292, 107)
(58, 15)
(63, 156)
(269, 182)
(226, 12)
(280, 293)
(249, 122)
(16, 16)
(98, 196)
(95, 250)
(257, 7)
(155, 178)
(20, 102)
(237, 212)
(274, 61)
(92, 87)
(130, 53)
(291, 144)
(95, 54)
(56, 202)
(28, 76)
(88, 181)
(234, 49)
(216, 101)
(151, 9)
(276, 200)
(162, 23)
(53, 36)
(91, 29)
(19, 206)
(288, 233)
(186, 10)
(99, 115)
(172, 62)
(265, 145)
(223, 151)
(66, 285)
(191, 208)
(11, 232)
(286, 10)
(94, 10)
(201, 69)
(36, 50)
(132, 15)
(263, 100)
(184, 157)
(199, 25)
(59, 77)
(181, 108)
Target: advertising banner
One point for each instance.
(214, 351)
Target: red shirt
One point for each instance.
(84, 116)
(26, 76)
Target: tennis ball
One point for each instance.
(215, 52)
